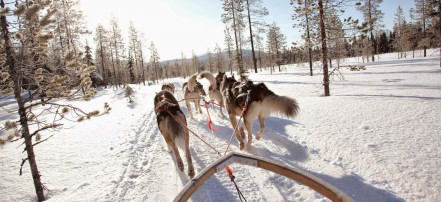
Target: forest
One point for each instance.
(45, 56)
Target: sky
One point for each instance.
(185, 27)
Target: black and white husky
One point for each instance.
(174, 133)
(262, 102)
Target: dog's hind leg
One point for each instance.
(221, 103)
(189, 160)
(187, 103)
(247, 124)
(239, 134)
(262, 126)
(198, 106)
(177, 156)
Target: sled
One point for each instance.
(298, 175)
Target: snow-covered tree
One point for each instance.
(154, 60)
(28, 73)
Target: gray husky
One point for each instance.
(174, 134)
(260, 101)
(169, 86)
(193, 92)
(214, 89)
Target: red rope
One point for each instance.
(235, 129)
(193, 133)
(209, 118)
(212, 102)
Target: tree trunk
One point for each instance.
(309, 41)
(238, 55)
(102, 58)
(374, 44)
(324, 50)
(21, 107)
(251, 37)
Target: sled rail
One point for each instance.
(298, 175)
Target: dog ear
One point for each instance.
(225, 77)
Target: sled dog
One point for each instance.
(193, 92)
(168, 86)
(262, 103)
(214, 88)
(174, 134)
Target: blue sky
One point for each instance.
(177, 26)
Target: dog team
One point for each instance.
(246, 99)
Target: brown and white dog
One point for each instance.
(262, 102)
(193, 92)
(174, 133)
(168, 86)
(214, 88)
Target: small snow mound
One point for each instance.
(364, 127)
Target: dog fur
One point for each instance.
(193, 92)
(174, 134)
(262, 103)
(214, 89)
(168, 86)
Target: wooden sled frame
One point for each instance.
(298, 175)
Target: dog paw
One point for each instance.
(191, 173)
(180, 166)
(249, 144)
(258, 136)
(241, 146)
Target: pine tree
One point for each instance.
(232, 10)
(372, 17)
(324, 48)
(196, 64)
(154, 60)
(399, 25)
(218, 59)
(229, 48)
(133, 42)
(254, 8)
(117, 50)
(303, 12)
(29, 74)
(210, 62)
(102, 52)
(260, 50)
(131, 68)
(383, 46)
(185, 69)
(422, 15)
(88, 55)
(276, 42)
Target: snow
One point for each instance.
(376, 138)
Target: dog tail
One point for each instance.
(284, 105)
(209, 76)
(192, 82)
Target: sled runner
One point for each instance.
(298, 175)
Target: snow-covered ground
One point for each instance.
(377, 138)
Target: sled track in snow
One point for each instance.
(144, 133)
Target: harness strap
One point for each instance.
(180, 123)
